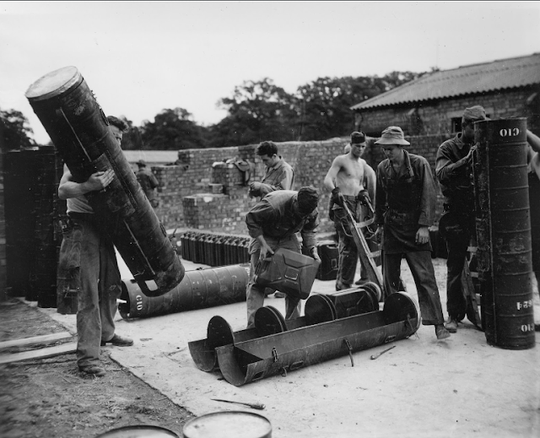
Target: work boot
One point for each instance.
(441, 332)
(119, 341)
(451, 325)
(92, 370)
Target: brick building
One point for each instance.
(433, 104)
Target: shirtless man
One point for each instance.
(352, 181)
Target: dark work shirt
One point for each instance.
(454, 173)
(275, 216)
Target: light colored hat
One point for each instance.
(393, 135)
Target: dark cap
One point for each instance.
(475, 113)
(141, 163)
(358, 137)
(308, 199)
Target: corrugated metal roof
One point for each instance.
(477, 78)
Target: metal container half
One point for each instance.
(268, 320)
(242, 361)
(79, 129)
(503, 230)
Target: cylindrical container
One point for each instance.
(20, 217)
(80, 131)
(228, 424)
(138, 431)
(201, 288)
(47, 239)
(504, 232)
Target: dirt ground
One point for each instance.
(51, 398)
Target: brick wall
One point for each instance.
(203, 192)
(430, 118)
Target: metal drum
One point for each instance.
(138, 431)
(504, 233)
(79, 129)
(200, 289)
(228, 424)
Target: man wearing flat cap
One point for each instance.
(148, 182)
(457, 224)
(404, 209)
(352, 181)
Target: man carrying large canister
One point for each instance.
(88, 265)
(457, 225)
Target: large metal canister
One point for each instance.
(228, 424)
(199, 289)
(504, 233)
(79, 129)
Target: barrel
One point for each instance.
(138, 431)
(504, 232)
(228, 424)
(20, 217)
(79, 129)
(201, 288)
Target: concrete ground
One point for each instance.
(461, 387)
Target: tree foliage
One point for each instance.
(258, 111)
(15, 130)
(172, 129)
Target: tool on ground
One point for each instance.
(375, 356)
(258, 406)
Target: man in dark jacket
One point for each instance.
(273, 223)
(404, 209)
(457, 225)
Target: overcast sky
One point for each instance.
(142, 57)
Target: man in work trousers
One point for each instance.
(279, 174)
(88, 264)
(457, 224)
(273, 223)
(404, 210)
(148, 182)
(352, 181)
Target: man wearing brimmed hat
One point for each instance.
(352, 181)
(273, 223)
(457, 225)
(148, 182)
(404, 209)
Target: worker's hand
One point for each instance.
(337, 197)
(265, 248)
(255, 189)
(314, 254)
(469, 156)
(363, 197)
(422, 235)
(100, 180)
(377, 235)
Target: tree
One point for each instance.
(257, 111)
(16, 131)
(172, 129)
